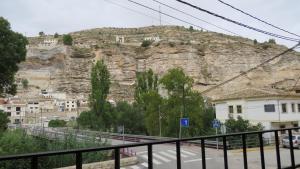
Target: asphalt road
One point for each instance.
(164, 157)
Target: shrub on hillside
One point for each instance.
(57, 123)
(146, 43)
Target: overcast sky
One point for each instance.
(63, 16)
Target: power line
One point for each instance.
(196, 17)
(167, 14)
(257, 66)
(257, 18)
(239, 23)
(135, 11)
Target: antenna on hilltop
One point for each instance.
(159, 15)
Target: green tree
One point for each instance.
(25, 83)
(57, 123)
(191, 29)
(183, 102)
(131, 117)
(100, 84)
(67, 40)
(145, 82)
(146, 43)
(3, 121)
(41, 33)
(240, 125)
(88, 120)
(12, 52)
(56, 35)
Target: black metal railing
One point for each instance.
(34, 157)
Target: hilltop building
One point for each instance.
(272, 108)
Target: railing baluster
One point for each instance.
(178, 154)
(78, 160)
(277, 150)
(34, 163)
(262, 155)
(117, 158)
(245, 151)
(150, 158)
(225, 152)
(291, 148)
(203, 153)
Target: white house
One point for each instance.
(152, 38)
(33, 106)
(120, 39)
(15, 111)
(273, 109)
(71, 105)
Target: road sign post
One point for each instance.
(216, 124)
(184, 122)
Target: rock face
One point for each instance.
(210, 58)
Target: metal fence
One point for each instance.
(34, 157)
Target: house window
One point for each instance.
(8, 113)
(283, 107)
(18, 113)
(230, 109)
(17, 121)
(8, 108)
(269, 107)
(293, 107)
(18, 108)
(299, 108)
(239, 109)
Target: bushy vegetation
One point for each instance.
(146, 43)
(67, 40)
(57, 123)
(25, 83)
(18, 142)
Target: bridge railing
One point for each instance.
(35, 157)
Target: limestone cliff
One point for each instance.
(208, 57)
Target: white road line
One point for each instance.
(161, 157)
(145, 164)
(168, 155)
(174, 152)
(153, 160)
(198, 159)
(187, 152)
(135, 167)
(141, 152)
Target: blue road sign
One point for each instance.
(184, 122)
(216, 123)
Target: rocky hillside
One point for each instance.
(208, 57)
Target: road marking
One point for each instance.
(189, 153)
(145, 164)
(198, 159)
(135, 167)
(161, 157)
(174, 152)
(141, 152)
(153, 160)
(168, 155)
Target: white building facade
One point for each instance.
(272, 109)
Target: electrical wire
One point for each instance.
(231, 6)
(257, 66)
(224, 29)
(135, 11)
(239, 23)
(167, 15)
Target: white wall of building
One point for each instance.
(254, 111)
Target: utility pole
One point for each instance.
(159, 114)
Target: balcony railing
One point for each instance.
(34, 157)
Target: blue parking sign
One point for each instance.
(216, 123)
(184, 122)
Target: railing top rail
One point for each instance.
(82, 150)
